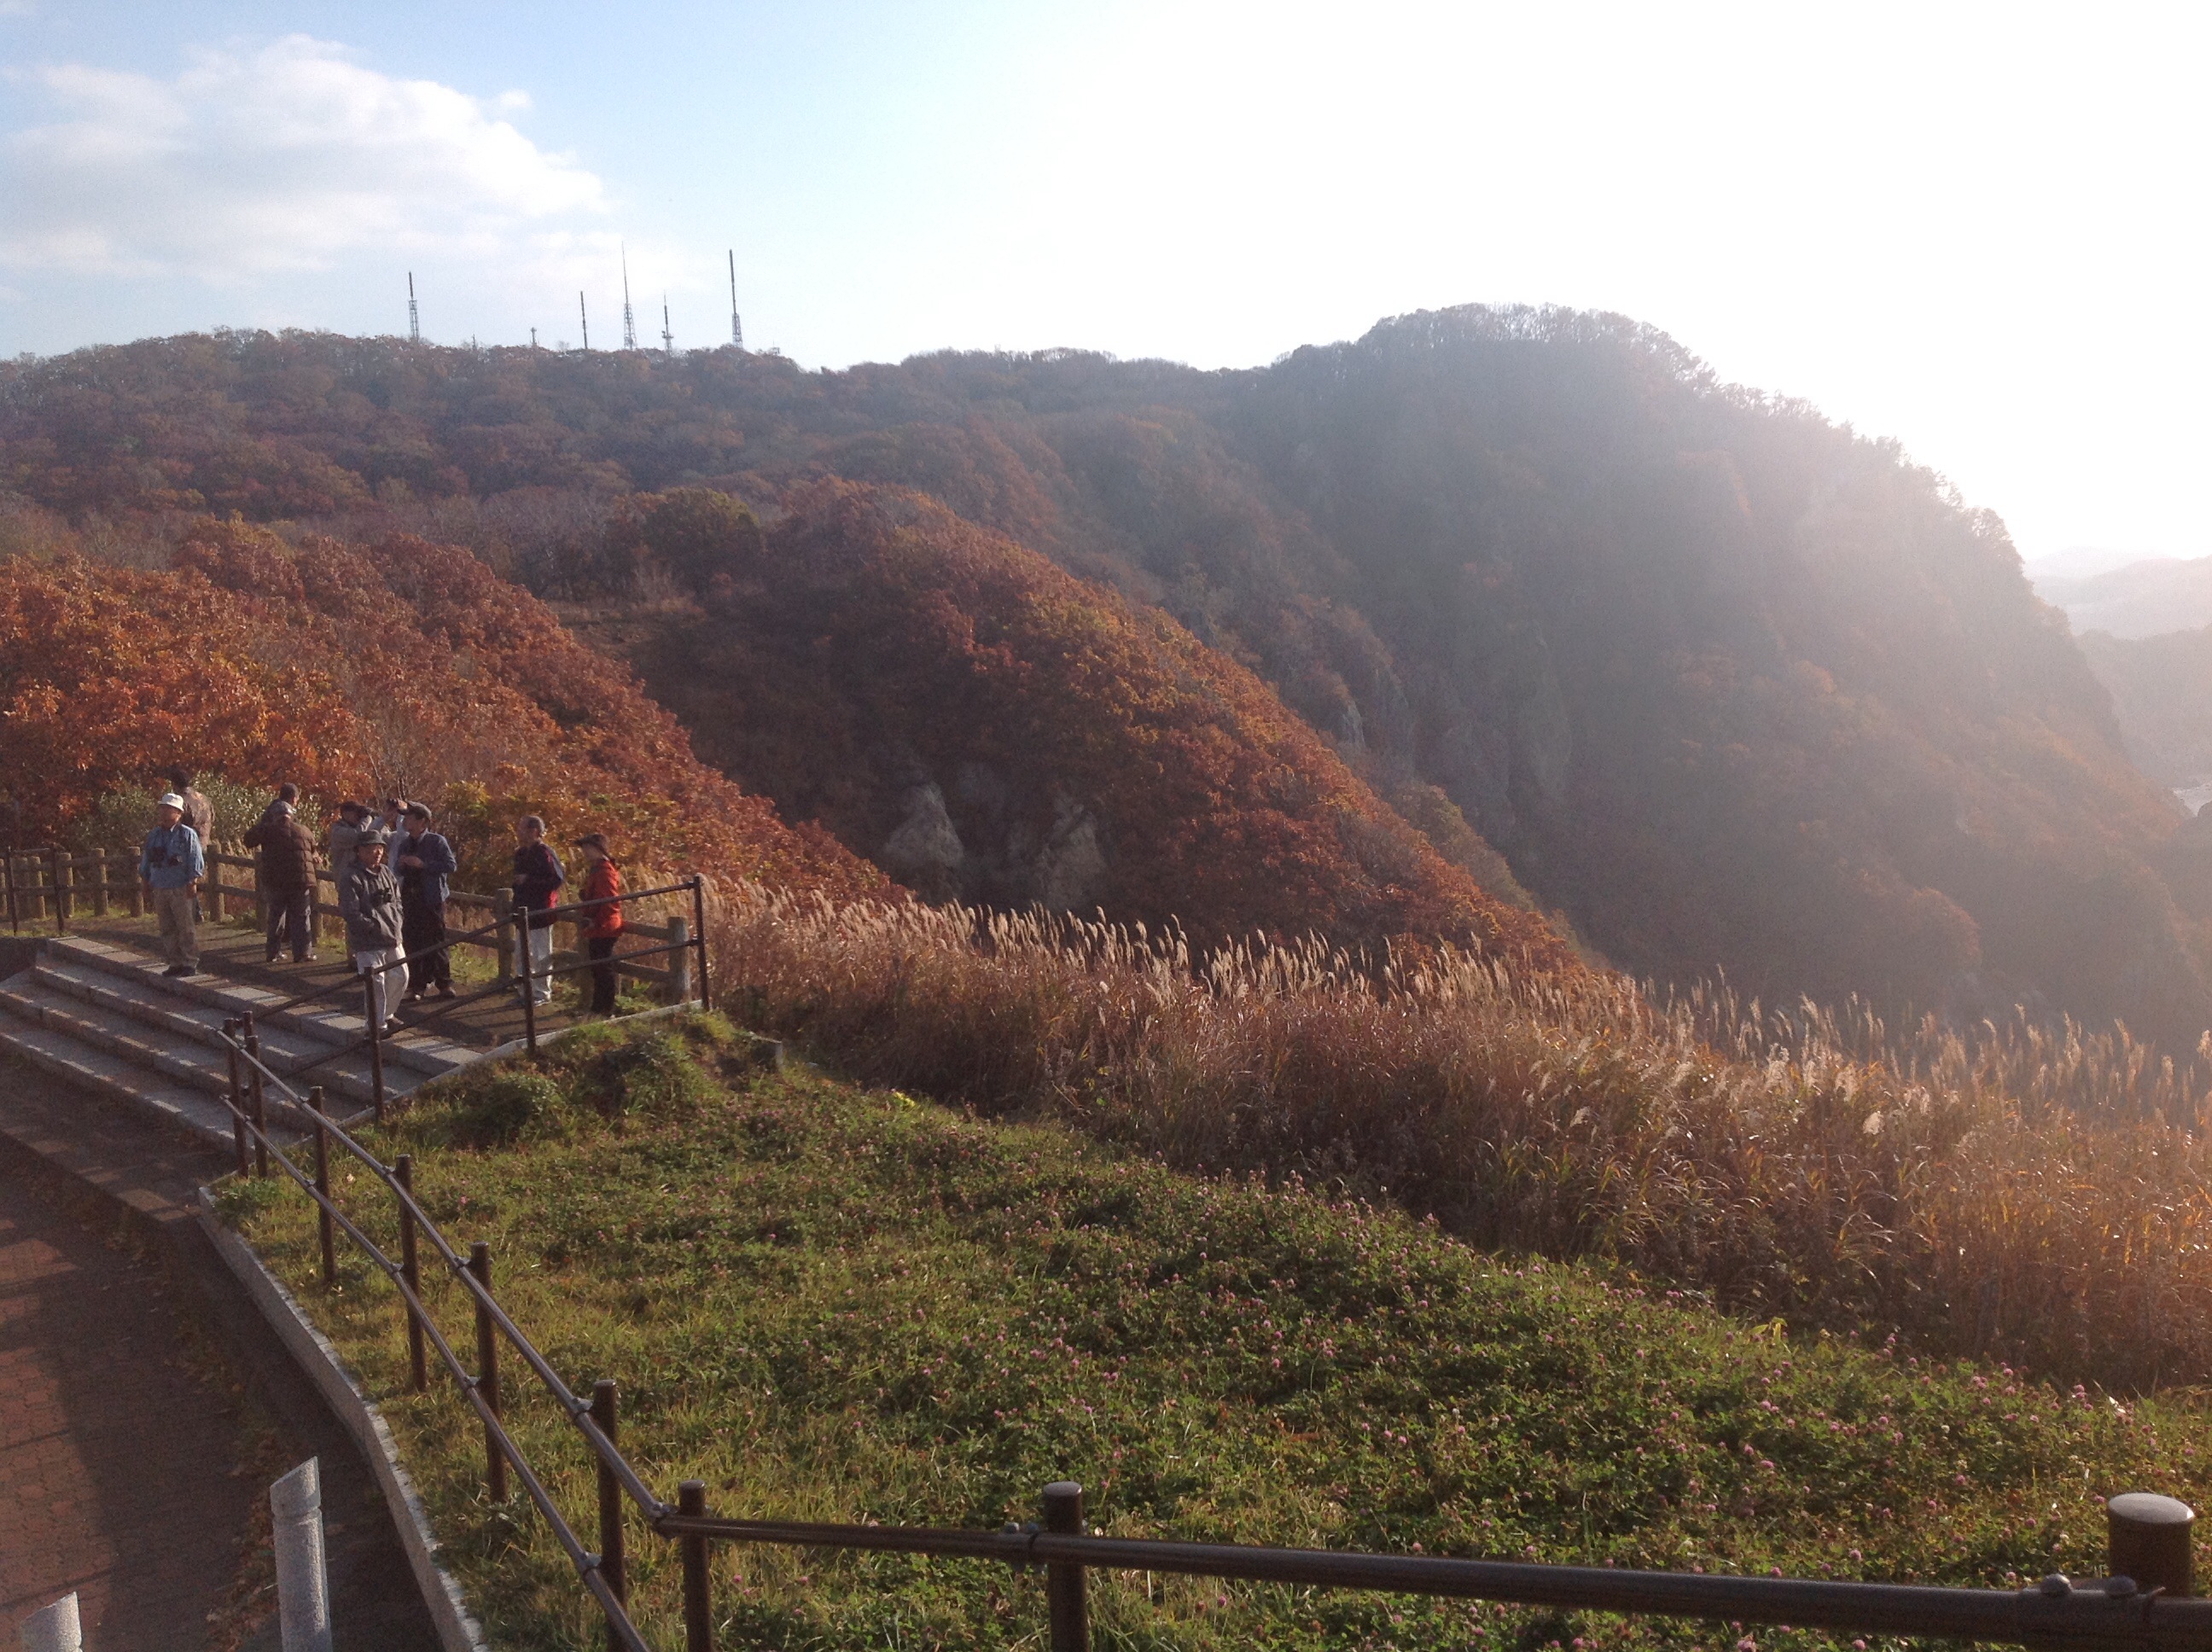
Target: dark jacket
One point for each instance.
(285, 850)
(424, 886)
(538, 877)
(602, 879)
(369, 902)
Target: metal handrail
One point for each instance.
(585, 1562)
(353, 980)
(2054, 1613)
(520, 919)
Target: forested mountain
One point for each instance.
(1732, 686)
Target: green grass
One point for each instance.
(835, 1304)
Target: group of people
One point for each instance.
(393, 872)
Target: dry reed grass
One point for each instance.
(2019, 1194)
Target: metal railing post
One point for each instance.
(2148, 1539)
(237, 1094)
(8, 879)
(488, 1373)
(370, 981)
(698, 1598)
(613, 1565)
(256, 1097)
(1064, 1588)
(403, 1172)
(323, 1187)
(699, 936)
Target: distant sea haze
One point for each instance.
(2143, 598)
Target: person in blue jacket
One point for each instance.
(426, 861)
(171, 864)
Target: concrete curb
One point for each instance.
(457, 1630)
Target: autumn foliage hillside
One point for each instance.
(402, 666)
(1732, 687)
(987, 726)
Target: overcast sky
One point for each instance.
(1979, 229)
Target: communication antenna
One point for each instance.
(630, 321)
(533, 338)
(737, 327)
(414, 316)
(585, 319)
(667, 338)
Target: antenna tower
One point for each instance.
(667, 338)
(630, 321)
(586, 319)
(414, 316)
(737, 327)
(533, 338)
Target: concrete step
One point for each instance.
(343, 1069)
(104, 1018)
(54, 1052)
(112, 1014)
(330, 1023)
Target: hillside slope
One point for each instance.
(406, 667)
(1731, 686)
(989, 728)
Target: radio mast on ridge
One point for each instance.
(585, 319)
(737, 327)
(630, 321)
(414, 317)
(667, 338)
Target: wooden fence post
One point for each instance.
(503, 913)
(488, 1373)
(237, 1093)
(698, 1594)
(323, 1185)
(2147, 1538)
(256, 1097)
(1064, 1591)
(214, 885)
(410, 1269)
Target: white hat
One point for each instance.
(170, 800)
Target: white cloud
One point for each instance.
(283, 160)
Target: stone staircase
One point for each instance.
(104, 1016)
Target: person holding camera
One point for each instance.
(171, 864)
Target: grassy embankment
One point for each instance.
(834, 1304)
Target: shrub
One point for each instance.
(2034, 1195)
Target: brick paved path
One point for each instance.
(114, 1459)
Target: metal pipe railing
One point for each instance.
(2153, 1611)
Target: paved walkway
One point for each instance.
(115, 1457)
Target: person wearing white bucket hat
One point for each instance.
(171, 864)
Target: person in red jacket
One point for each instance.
(603, 926)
